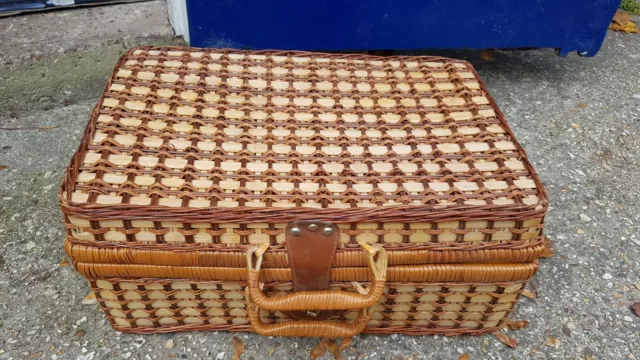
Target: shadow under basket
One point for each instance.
(301, 194)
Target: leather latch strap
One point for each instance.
(311, 246)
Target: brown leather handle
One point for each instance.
(320, 300)
(315, 300)
(309, 328)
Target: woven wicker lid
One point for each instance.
(234, 135)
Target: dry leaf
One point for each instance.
(622, 22)
(517, 325)
(89, 299)
(319, 350)
(630, 28)
(238, 348)
(553, 342)
(575, 126)
(487, 55)
(464, 356)
(636, 308)
(329, 344)
(529, 294)
(582, 106)
(337, 350)
(547, 252)
(510, 342)
(64, 263)
(618, 296)
(3, 167)
(621, 17)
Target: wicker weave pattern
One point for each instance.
(193, 157)
(168, 305)
(445, 234)
(247, 131)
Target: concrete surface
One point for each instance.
(579, 120)
(61, 57)
(42, 34)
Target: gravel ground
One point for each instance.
(579, 120)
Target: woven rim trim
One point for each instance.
(402, 273)
(85, 252)
(181, 247)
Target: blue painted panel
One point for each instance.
(568, 25)
(12, 7)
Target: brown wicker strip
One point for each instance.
(318, 300)
(448, 235)
(418, 273)
(178, 256)
(433, 246)
(318, 328)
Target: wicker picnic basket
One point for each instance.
(301, 194)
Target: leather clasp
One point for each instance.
(311, 246)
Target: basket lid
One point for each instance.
(228, 135)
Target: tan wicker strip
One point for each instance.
(417, 273)
(319, 328)
(236, 259)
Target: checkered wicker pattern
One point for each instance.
(193, 157)
(227, 129)
(141, 306)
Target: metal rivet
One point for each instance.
(327, 231)
(295, 231)
(313, 227)
(312, 313)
